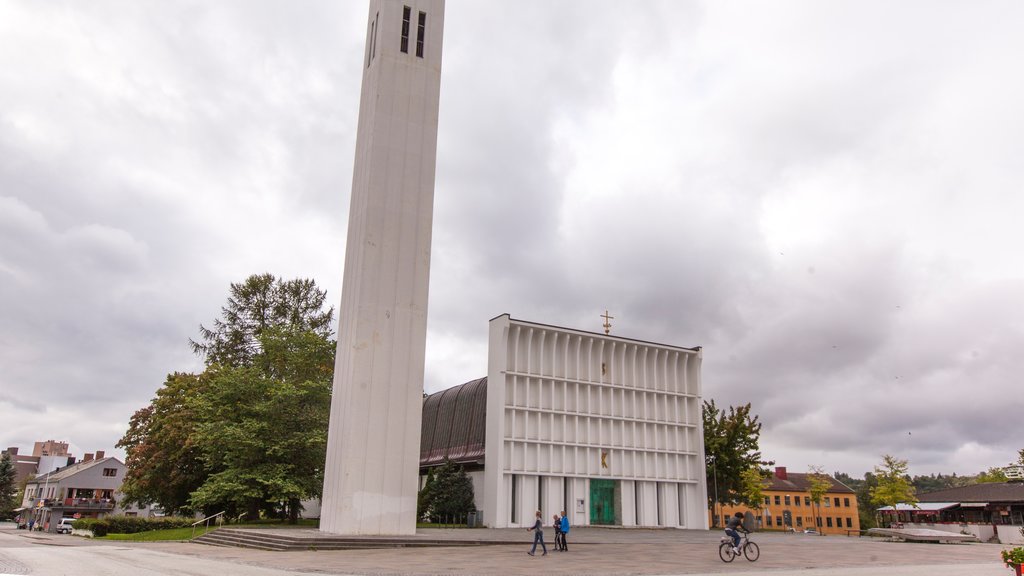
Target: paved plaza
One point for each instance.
(591, 551)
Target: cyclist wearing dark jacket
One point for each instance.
(733, 528)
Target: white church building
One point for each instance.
(606, 428)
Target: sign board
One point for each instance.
(580, 506)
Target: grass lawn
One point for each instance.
(155, 535)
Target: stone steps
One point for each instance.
(265, 540)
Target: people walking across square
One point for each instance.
(557, 524)
(538, 535)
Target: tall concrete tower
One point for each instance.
(373, 443)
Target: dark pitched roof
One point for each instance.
(454, 424)
(989, 492)
(799, 482)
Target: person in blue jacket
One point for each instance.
(565, 531)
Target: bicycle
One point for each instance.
(748, 548)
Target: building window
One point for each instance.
(828, 503)
(514, 494)
(828, 521)
(796, 500)
(807, 500)
(849, 523)
(421, 32)
(837, 501)
(406, 15)
(819, 521)
(787, 499)
(846, 502)
(799, 521)
(767, 500)
(110, 472)
(768, 520)
(778, 501)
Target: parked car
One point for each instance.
(64, 526)
(810, 531)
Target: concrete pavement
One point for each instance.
(592, 551)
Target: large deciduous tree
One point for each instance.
(894, 485)
(162, 460)
(730, 449)
(250, 431)
(262, 429)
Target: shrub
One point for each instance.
(130, 524)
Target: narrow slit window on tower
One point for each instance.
(373, 40)
(406, 15)
(421, 31)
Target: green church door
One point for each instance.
(602, 502)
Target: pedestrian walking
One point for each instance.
(564, 529)
(538, 535)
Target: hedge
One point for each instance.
(130, 524)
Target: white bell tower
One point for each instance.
(373, 443)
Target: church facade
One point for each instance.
(606, 428)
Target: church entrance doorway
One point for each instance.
(602, 502)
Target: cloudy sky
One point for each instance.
(825, 195)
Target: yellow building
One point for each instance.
(787, 506)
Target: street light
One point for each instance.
(714, 506)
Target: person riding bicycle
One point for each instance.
(732, 528)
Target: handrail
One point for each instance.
(207, 520)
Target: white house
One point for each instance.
(86, 489)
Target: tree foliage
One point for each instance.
(894, 485)
(250, 431)
(262, 430)
(990, 476)
(752, 485)
(8, 486)
(260, 302)
(162, 460)
(730, 449)
(819, 485)
(447, 494)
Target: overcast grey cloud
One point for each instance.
(826, 196)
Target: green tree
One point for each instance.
(894, 485)
(819, 485)
(163, 462)
(270, 332)
(752, 482)
(730, 449)
(262, 429)
(260, 302)
(8, 486)
(991, 476)
(449, 495)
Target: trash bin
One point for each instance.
(471, 519)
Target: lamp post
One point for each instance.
(714, 505)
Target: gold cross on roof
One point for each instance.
(607, 325)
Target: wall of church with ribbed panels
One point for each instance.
(579, 405)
